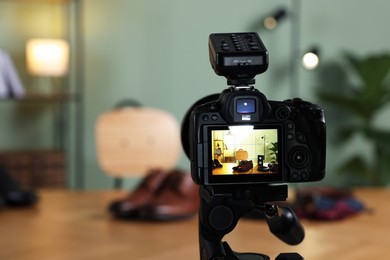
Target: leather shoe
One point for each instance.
(12, 193)
(244, 166)
(178, 198)
(217, 164)
(141, 196)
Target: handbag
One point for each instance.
(132, 141)
(241, 154)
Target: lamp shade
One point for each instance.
(47, 57)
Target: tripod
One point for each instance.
(221, 208)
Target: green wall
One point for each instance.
(27, 126)
(156, 53)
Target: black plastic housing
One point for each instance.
(300, 127)
(238, 56)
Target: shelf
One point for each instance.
(41, 97)
(43, 1)
(59, 110)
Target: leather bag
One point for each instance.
(241, 154)
(131, 141)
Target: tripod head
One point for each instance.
(222, 207)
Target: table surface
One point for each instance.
(75, 225)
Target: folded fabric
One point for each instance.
(326, 204)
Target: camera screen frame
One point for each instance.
(244, 177)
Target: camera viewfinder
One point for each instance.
(245, 106)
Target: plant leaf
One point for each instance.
(372, 70)
(355, 166)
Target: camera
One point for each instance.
(244, 148)
(238, 137)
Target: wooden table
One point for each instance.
(74, 225)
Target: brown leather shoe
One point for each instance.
(178, 198)
(141, 196)
(246, 166)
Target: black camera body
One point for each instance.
(244, 119)
(239, 137)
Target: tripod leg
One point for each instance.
(289, 256)
(210, 246)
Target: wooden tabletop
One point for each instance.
(74, 225)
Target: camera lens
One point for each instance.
(299, 157)
(245, 106)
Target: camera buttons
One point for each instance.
(225, 46)
(283, 112)
(295, 176)
(299, 157)
(214, 117)
(304, 176)
(301, 138)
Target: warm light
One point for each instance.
(47, 57)
(310, 60)
(271, 21)
(241, 130)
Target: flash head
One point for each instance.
(238, 56)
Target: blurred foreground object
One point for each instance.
(145, 142)
(326, 203)
(47, 57)
(161, 195)
(358, 101)
(12, 194)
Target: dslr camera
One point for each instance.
(244, 148)
(240, 137)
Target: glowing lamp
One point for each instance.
(47, 57)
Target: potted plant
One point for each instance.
(357, 103)
(274, 152)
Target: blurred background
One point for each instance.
(155, 52)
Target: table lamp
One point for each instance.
(47, 57)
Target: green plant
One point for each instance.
(361, 102)
(274, 152)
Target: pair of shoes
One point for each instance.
(241, 163)
(12, 194)
(217, 164)
(160, 196)
(147, 189)
(243, 166)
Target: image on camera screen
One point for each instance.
(244, 150)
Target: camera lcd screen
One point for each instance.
(244, 153)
